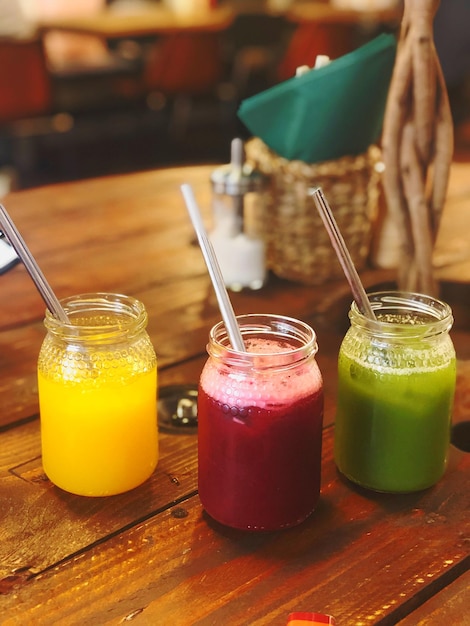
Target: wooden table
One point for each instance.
(152, 556)
(143, 22)
(329, 13)
(157, 19)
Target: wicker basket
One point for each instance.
(298, 246)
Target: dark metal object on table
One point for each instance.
(177, 409)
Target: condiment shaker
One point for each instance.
(238, 204)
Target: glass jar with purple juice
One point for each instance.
(260, 415)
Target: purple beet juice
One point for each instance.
(260, 425)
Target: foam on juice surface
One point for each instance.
(410, 368)
(266, 387)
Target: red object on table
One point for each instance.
(303, 619)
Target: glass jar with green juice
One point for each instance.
(396, 383)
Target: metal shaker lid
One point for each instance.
(237, 177)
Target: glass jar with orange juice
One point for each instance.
(97, 378)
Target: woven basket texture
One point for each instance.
(298, 245)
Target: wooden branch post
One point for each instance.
(417, 144)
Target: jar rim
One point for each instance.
(131, 315)
(300, 337)
(435, 314)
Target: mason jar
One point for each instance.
(260, 424)
(396, 383)
(97, 382)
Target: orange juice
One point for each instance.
(97, 382)
(99, 439)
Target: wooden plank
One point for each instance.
(449, 606)
(362, 557)
(40, 524)
(18, 383)
(63, 227)
(149, 247)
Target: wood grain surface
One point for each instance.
(152, 556)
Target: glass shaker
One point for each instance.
(238, 204)
(260, 418)
(396, 382)
(97, 378)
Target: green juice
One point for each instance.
(396, 384)
(392, 428)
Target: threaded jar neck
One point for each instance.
(272, 341)
(402, 315)
(98, 318)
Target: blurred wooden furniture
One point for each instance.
(310, 39)
(152, 556)
(151, 21)
(27, 108)
(185, 59)
(182, 60)
(181, 68)
(323, 28)
(39, 105)
(69, 49)
(305, 30)
(329, 13)
(258, 39)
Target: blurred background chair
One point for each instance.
(26, 103)
(256, 43)
(311, 39)
(185, 72)
(25, 82)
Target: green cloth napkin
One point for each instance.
(329, 112)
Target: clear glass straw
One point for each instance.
(9, 229)
(215, 273)
(342, 253)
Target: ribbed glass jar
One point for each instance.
(260, 424)
(396, 383)
(97, 382)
